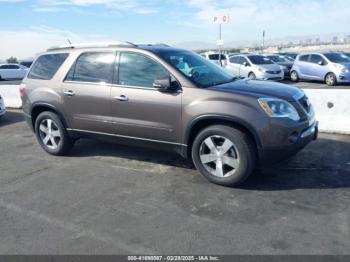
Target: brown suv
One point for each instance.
(155, 95)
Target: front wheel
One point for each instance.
(51, 134)
(252, 76)
(331, 79)
(224, 155)
(294, 76)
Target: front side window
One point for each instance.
(139, 70)
(199, 70)
(46, 66)
(316, 59)
(13, 67)
(93, 67)
(260, 60)
(338, 58)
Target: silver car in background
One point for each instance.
(254, 66)
(282, 61)
(215, 58)
(331, 67)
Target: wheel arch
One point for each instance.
(40, 107)
(202, 122)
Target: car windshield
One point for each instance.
(278, 59)
(196, 68)
(259, 60)
(337, 58)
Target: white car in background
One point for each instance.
(12, 71)
(254, 66)
(215, 57)
(2, 107)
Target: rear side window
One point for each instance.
(94, 67)
(304, 58)
(235, 60)
(46, 66)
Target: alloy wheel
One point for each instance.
(219, 156)
(49, 133)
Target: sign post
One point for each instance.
(220, 19)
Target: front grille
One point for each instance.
(273, 72)
(304, 101)
(274, 78)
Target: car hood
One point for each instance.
(347, 65)
(260, 89)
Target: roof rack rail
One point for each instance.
(92, 45)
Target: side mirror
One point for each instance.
(246, 64)
(164, 84)
(320, 63)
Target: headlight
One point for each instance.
(278, 108)
(262, 69)
(344, 71)
(340, 67)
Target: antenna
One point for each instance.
(69, 42)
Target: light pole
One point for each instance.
(263, 42)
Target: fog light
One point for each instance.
(293, 138)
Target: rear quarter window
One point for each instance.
(46, 66)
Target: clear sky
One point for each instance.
(29, 26)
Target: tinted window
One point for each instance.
(46, 66)
(13, 67)
(338, 58)
(260, 60)
(216, 57)
(235, 60)
(200, 71)
(304, 58)
(316, 59)
(278, 59)
(94, 67)
(4, 67)
(139, 70)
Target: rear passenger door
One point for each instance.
(303, 66)
(233, 65)
(138, 109)
(86, 92)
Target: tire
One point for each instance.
(294, 76)
(52, 135)
(0, 78)
(241, 156)
(252, 76)
(331, 79)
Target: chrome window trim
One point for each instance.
(122, 136)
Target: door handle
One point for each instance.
(69, 93)
(121, 98)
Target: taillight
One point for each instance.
(22, 90)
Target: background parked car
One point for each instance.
(215, 58)
(332, 68)
(254, 67)
(2, 106)
(290, 56)
(281, 60)
(12, 71)
(26, 63)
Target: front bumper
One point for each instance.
(271, 77)
(343, 78)
(272, 155)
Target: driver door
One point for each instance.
(140, 110)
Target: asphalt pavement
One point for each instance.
(109, 199)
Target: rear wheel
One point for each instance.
(294, 76)
(331, 79)
(224, 155)
(252, 76)
(51, 134)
